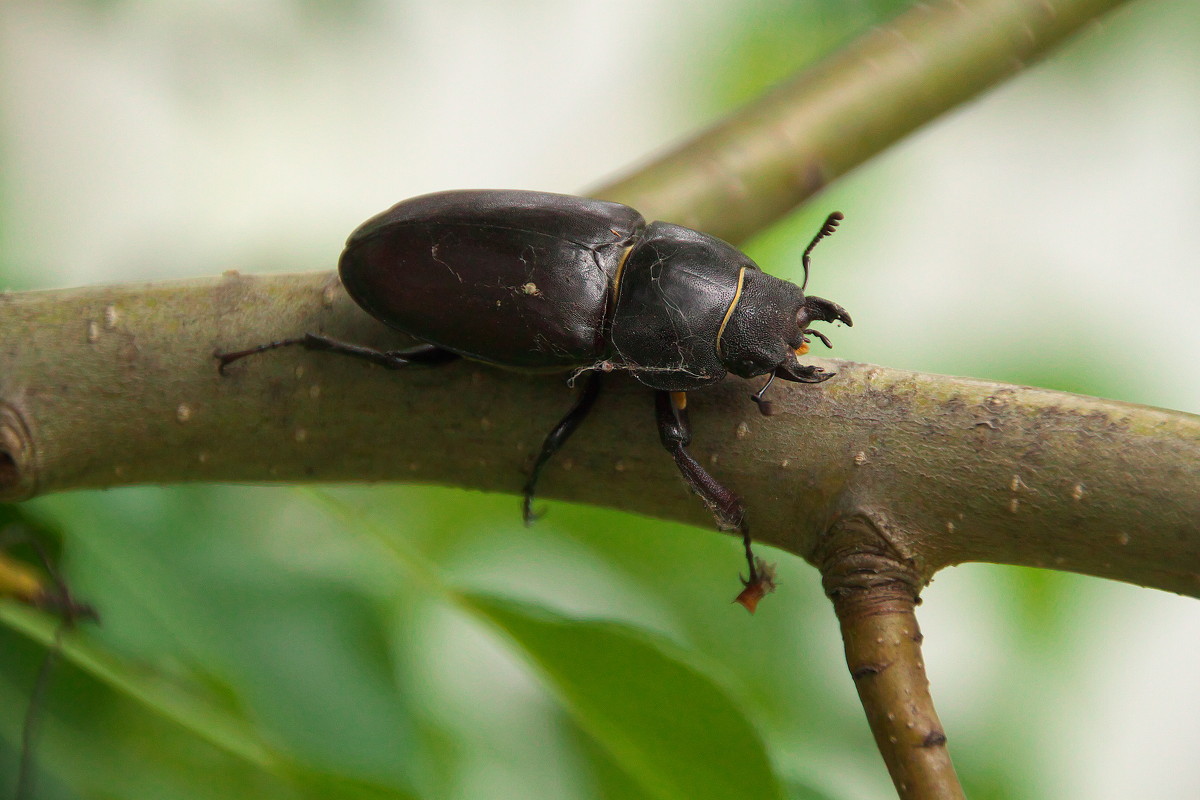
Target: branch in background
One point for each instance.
(761, 162)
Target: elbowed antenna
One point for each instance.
(831, 223)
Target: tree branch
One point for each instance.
(765, 160)
(113, 386)
(874, 592)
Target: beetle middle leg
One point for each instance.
(423, 354)
(558, 437)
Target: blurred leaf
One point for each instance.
(670, 728)
(802, 791)
(213, 649)
(27, 537)
(111, 733)
(170, 702)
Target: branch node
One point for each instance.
(17, 478)
(934, 739)
(867, 670)
(875, 588)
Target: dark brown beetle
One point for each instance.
(537, 281)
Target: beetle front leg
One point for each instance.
(424, 354)
(675, 432)
(558, 437)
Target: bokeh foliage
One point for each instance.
(418, 642)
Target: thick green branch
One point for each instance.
(112, 386)
(763, 161)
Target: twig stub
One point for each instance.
(875, 591)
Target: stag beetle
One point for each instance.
(536, 281)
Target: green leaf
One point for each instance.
(170, 702)
(672, 729)
(216, 653)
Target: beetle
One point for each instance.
(542, 282)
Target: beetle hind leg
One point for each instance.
(558, 437)
(423, 354)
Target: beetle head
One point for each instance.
(815, 309)
(769, 329)
(770, 324)
(773, 329)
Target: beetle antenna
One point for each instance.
(831, 223)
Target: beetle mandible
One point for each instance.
(537, 281)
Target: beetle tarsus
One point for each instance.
(228, 358)
(527, 513)
(423, 354)
(751, 560)
(557, 438)
(760, 584)
(765, 407)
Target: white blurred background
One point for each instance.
(1046, 233)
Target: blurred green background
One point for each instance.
(418, 642)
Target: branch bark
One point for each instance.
(113, 386)
(874, 592)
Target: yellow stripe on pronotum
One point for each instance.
(737, 295)
(616, 281)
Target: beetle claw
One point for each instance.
(528, 514)
(802, 373)
(760, 584)
(827, 310)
